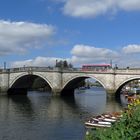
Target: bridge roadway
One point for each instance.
(63, 81)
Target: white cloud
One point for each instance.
(81, 54)
(84, 54)
(93, 52)
(132, 48)
(129, 5)
(18, 37)
(93, 8)
(38, 61)
(131, 61)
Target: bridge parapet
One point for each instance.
(127, 71)
(43, 69)
(26, 69)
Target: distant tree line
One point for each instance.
(63, 64)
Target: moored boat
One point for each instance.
(113, 115)
(97, 124)
(103, 118)
(101, 121)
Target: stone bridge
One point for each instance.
(63, 81)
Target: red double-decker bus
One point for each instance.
(96, 67)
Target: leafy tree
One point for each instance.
(63, 64)
(70, 65)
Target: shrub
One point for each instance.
(127, 128)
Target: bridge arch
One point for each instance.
(71, 83)
(24, 80)
(119, 87)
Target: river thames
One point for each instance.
(41, 116)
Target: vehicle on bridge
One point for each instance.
(96, 67)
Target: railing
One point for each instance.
(24, 69)
(45, 69)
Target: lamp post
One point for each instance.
(4, 65)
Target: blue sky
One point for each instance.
(37, 32)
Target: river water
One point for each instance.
(41, 116)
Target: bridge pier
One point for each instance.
(66, 92)
(110, 91)
(56, 92)
(3, 90)
(4, 83)
(17, 91)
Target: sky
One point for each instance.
(39, 32)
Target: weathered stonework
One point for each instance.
(58, 80)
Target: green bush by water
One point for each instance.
(127, 128)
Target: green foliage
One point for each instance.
(63, 64)
(127, 128)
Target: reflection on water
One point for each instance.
(40, 116)
(95, 101)
(91, 101)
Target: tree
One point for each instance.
(70, 65)
(63, 64)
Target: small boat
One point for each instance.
(117, 114)
(106, 119)
(114, 115)
(101, 121)
(96, 124)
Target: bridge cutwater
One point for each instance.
(63, 81)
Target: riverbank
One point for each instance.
(126, 128)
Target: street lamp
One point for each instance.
(4, 65)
